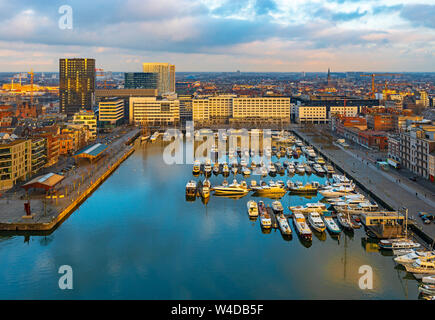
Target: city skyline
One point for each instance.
(250, 36)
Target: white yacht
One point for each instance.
(302, 226)
(309, 207)
(207, 167)
(316, 221)
(394, 244)
(196, 167)
(252, 208)
(300, 169)
(283, 224)
(234, 189)
(413, 256)
(336, 192)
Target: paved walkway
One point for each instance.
(75, 183)
(381, 183)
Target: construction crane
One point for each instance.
(31, 85)
(373, 75)
(100, 73)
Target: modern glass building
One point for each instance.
(141, 80)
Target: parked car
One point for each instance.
(413, 178)
(426, 221)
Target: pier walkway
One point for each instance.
(382, 184)
(48, 210)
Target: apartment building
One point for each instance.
(39, 154)
(261, 110)
(15, 162)
(417, 146)
(87, 119)
(394, 147)
(154, 111)
(213, 110)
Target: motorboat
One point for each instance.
(330, 223)
(204, 189)
(428, 289)
(320, 160)
(225, 169)
(300, 169)
(337, 192)
(277, 207)
(252, 208)
(308, 169)
(253, 185)
(394, 244)
(340, 179)
(421, 266)
(316, 222)
(283, 224)
(232, 189)
(246, 172)
(299, 188)
(291, 169)
(413, 256)
(345, 221)
(234, 170)
(301, 226)
(207, 167)
(355, 208)
(318, 168)
(272, 169)
(191, 188)
(286, 163)
(265, 219)
(216, 169)
(155, 136)
(263, 171)
(196, 167)
(271, 190)
(428, 280)
(354, 198)
(309, 207)
(289, 152)
(329, 169)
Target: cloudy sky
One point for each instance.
(222, 35)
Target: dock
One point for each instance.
(373, 181)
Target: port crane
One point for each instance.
(373, 75)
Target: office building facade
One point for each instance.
(141, 80)
(154, 111)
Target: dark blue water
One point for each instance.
(136, 237)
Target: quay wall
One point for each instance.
(40, 226)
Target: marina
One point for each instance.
(129, 228)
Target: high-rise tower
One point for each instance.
(76, 85)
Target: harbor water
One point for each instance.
(137, 237)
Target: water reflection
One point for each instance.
(137, 237)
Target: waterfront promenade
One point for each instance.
(383, 184)
(48, 210)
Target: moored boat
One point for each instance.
(316, 222)
(283, 224)
(191, 188)
(330, 223)
(265, 220)
(252, 208)
(301, 226)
